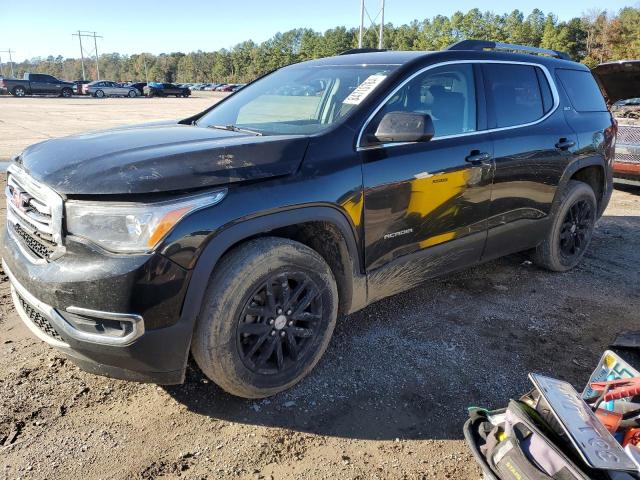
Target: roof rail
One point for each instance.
(489, 45)
(351, 51)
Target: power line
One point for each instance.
(95, 37)
(9, 51)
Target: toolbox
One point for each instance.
(555, 432)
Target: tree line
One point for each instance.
(595, 37)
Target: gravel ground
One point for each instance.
(387, 401)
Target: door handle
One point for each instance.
(476, 157)
(564, 144)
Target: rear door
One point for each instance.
(532, 146)
(430, 198)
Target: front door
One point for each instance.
(427, 203)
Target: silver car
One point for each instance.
(104, 88)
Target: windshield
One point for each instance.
(298, 100)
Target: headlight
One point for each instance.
(132, 227)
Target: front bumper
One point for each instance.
(76, 304)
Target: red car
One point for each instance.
(620, 82)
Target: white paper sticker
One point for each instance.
(364, 89)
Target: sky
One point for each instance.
(39, 28)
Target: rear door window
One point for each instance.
(514, 93)
(583, 92)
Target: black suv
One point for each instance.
(241, 234)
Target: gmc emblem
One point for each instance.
(20, 199)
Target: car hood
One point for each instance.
(619, 80)
(159, 158)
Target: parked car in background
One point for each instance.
(238, 86)
(226, 88)
(105, 88)
(154, 89)
(36, 84)
(139, 86)
(78, 86)
(620, 82)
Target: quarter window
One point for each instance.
(445, 93)
(514, 93)
(582, 89)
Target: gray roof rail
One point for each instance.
(351, 51)
(489, 45)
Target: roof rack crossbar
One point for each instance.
(489, 45)
(351, 51)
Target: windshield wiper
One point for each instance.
(234, 128)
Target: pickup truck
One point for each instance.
(36, 84)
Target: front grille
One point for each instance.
(34, 215)
(34, 243)
(627, 158)
(628, 134)
(38, 319)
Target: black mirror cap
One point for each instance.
(404, 127)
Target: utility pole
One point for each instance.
(381, 25)
(81, 34)
(95, 43)
(81, 53)
(146, 75)
(361, 23)
(372, 23)
(9, 51)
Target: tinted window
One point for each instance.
(445, 93)
(547, 96)
(582, 90)
(514, 93)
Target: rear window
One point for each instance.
(514, 92)
(582, 90)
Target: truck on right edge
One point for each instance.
(620, 82)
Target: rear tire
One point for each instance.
(571, 231)
(132, 94)
(18, 92)
(267, 317)
(66, 93)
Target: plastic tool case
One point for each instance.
(554, 432)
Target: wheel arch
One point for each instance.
(324, 229)
(589, 170)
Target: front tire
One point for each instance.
(267, 317)
(99, 94)
(571, 231)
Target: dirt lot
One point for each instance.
(28, 120)
(387, 401)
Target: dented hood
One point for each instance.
(619, 80)
(159, 158)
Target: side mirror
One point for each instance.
(404, 127)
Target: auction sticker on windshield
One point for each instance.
(363, 90)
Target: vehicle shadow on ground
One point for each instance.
(408, 367)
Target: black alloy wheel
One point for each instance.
(576, 229)
(279, 323)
